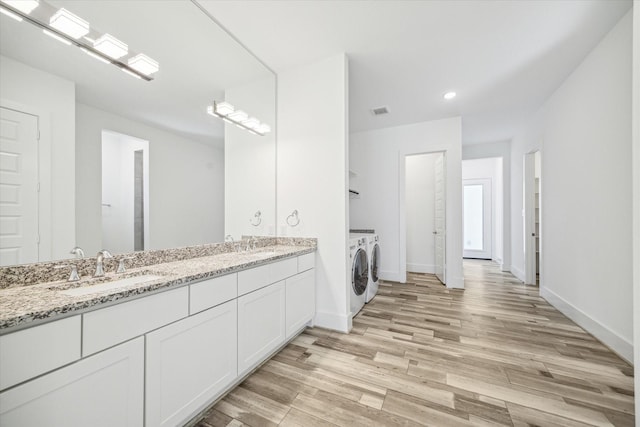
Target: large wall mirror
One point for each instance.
(94, 157)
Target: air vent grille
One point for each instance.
(380, 111)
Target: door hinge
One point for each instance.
(38, 134)
(38, 239)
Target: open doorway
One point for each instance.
(125, 192)
(425, 213)
(483, 208)
(532, 217)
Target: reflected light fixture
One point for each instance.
(111, 46)
(70, 29)
(143, 64)
(10, 14)
(449, 95)
(25, 6)
(68, 23)
(57, 37)
(229, 114)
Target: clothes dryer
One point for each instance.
(359, 274)
(373, 259)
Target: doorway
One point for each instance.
(532, 217)
(425, 213)
(477, 218)
(125, 192)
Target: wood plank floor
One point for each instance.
(419, 354)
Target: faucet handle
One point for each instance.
(73, 276)
(121, 267)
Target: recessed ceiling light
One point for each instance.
(449, 95)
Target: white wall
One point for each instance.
(490, 168)
(378, 157)
(420, 207)
(52, 99)
(250, 173)
(312, 175)
(501, 150)
(186, 183)
(584, 134)
(636, 189)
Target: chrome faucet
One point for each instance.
(73, 276)
(78, 252)
(251, 242)
(99, 264)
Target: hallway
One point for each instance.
(420, 354)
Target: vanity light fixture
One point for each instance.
(143, 64)
(57, 37)
(10, 14)
(68, 23)
(70, 29)
(111, 46)
(25, 6)
(229, 114)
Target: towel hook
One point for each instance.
(257, 217)
(293, 219)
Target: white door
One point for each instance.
(477, 218)
(440, 219)
(18, 187)
(529, 211)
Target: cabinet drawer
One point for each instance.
(259, 277)
(211, 292)
(34, 351)
(109, 326)
(306, 262)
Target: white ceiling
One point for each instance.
(503, 58)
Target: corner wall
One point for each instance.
(378, 158)
(636, 191)
(584, 133)
(312, 175)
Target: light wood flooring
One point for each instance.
(419, 354)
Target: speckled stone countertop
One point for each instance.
(22, 305)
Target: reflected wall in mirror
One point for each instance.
(204, 178)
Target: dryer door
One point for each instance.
(375, 260)
(360, 272)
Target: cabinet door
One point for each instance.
(261, 325)
(103, 390)
(189, 363)
(301, 301)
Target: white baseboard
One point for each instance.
(518, 273)
(455, 283)
(334, 321)
(505, 267)
(615, 342)
(421, 268)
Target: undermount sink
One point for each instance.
(108, 286)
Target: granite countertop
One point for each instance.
(20, 306)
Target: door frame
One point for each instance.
(45, 245)
(529, 218)
(402, 210)
(487, 221)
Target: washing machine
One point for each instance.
(373, 259)
(359, 274)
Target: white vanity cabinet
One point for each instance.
(103, 390)
(261, 324)
(300, 301)
(189, 363)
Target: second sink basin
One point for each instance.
(108, 286)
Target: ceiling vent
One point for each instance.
(379, 111)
